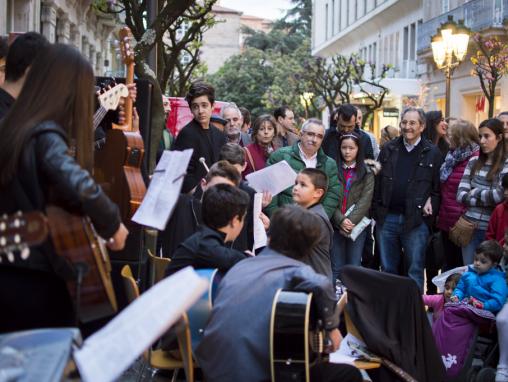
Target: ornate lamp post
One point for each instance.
(449, 47)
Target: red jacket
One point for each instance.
(450, 210)
(498, 223)
(258, 155)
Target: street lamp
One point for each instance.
(449, 47)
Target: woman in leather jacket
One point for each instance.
(46, 156)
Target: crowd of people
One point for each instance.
(354, 202)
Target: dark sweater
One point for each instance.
(404, 170)
(204, 249)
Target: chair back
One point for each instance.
(131, 287)
(158, 267)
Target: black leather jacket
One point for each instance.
(48, 174)
(424, 182)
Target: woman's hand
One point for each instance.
(336, 338)
(117, 241)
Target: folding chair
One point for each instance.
(160, 359)
(158, 267)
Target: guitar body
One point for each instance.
(118, 170)
(200, 312)
(294, 346)
(74, 238)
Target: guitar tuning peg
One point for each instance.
(3, 226)
(17, 238)
(17, 223)
(25, 253)
(19, 213)
(10, 257)
(3, 241)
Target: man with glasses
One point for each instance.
(407, 194)
(303, 154)
(342, 121)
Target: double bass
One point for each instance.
(118, 163)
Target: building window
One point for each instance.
(339, 14)
(374, 53)
(445, 6)
(405, 43)
(412, 42)
(347, 12)
(356, 10)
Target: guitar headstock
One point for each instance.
(126, 46)
(19, 231)
(110, 98)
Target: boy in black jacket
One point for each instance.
(223, 210)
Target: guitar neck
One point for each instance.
(99, 116)
(128, 100)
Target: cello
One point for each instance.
(118, 163)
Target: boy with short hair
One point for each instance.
(310, 187)
(223, 211)
(498, 223)
(483, 285)
(186, 217)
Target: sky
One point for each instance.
(269, 9)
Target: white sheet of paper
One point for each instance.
(162, 194)
(106, 354)
(274, 179)
(260, 238)
(344, 354)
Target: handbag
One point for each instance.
(462, 231)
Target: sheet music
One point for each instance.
(260, 238)
(344, 354)
(274, 179)
(110, 351)
(164, 189)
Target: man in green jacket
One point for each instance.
(307, 153)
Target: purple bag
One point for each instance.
(454, 332)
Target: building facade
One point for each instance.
(381, 32)
(466, 98)
(65, 21)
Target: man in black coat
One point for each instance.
(205, 139)
(344, 120)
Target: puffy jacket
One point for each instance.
(424, 182)
(47, 173)
(450, 210)
(489, 288)
(360, 194)
(291, 154)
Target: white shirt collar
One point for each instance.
(309, 162)
(409, 147)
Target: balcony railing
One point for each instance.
(477, 15)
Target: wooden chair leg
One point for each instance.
(184, 344)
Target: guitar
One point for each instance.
(200, 312)
(297, 340)
(118, 163)
(20, 231)
(75, 239)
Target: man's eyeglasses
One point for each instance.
(409, 123)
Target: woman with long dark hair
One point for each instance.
(46, 156)
(257, 153)
(435, 130)
(480, 189)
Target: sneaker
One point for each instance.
(502, 374)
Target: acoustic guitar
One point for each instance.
(297, 339)
(118, 162)
(73, 238)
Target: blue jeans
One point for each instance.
(469, 250)
(393, 240)
(346, 251)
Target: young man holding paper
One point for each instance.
(307, 153)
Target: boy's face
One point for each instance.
(201, 110)
(482, 264)
(304, 192)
